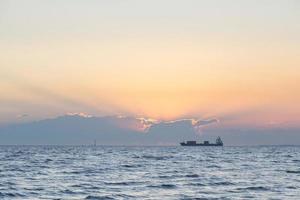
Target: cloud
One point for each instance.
(147, 123)
(81, 114)
(22, 115)
(203, 122)
(143, 124)
(196, 124)
(139, 124)
(199, 124)
(81, 128)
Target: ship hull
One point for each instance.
(201, 145)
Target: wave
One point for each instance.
(9, 194)
(192, 175)
(196, 184)
(293, 171)
(255, 188)
(163, 186)
(131, 166)
(222, 183)
(157, 157)
(123, 183)
(90, 197)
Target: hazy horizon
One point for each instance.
(83, 129)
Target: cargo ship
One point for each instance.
(219, 142)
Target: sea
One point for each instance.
(116, 172)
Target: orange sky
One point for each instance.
(198, 59)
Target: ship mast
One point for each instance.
(219, 141)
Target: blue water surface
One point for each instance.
(104, 172)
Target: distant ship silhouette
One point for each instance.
(205, 143)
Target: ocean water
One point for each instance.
(82, 172)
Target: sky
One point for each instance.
(235, 61)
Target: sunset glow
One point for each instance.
(147, 63)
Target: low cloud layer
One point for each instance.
(81, 128)
(76, 128)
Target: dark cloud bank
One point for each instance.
(111, 130)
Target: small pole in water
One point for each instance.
(95, 143)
